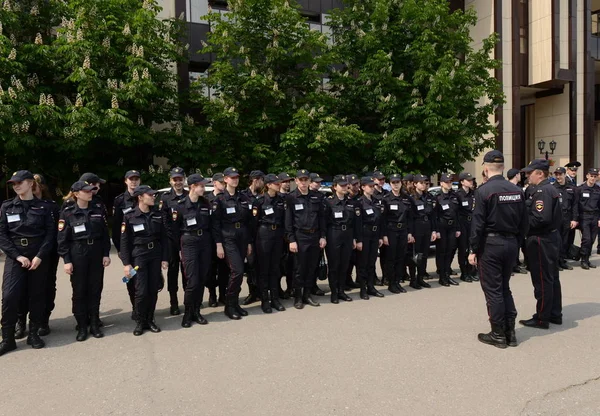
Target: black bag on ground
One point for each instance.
(574, 253)
(322, 272)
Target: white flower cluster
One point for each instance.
(12, 55)
(86, 62)
(114, 102)
(106, 42)
(127, 30)
(38, 39)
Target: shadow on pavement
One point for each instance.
(572, 314)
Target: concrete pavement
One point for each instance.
(408, 354)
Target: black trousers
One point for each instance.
(53, 260)
(147, 282)
(219, 274)
(589, 231)
(287, 267)
(565, 230)
(422, 243)
(306, 260)
(173, 271)
(19, 283)
(235, 244)
(445, 250)
(463, 246)
(367, 258)
(542, 253)
(396, 255)
(269, 246)
(338, 250)
(494, 275)
(250, 269)
(196, 256)
(87, 279)
(351, 265)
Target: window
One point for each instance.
(197, 9)
(596, 23)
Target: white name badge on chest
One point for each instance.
(586, 195)
(126, 210)
(79, 229)
(298, 207)
(465, 203)
(190, 222)
(231, 210)
(13, 218)
(338, 214)
(394, 207)
(420, 207)
(269, 211)
(369, 211)
(445, 207)
(138, 227)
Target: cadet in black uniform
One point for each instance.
(570, 213)
(287, 259)
(167, 205)
(448, 228)
(465, 195)
(27, 236)
(305, 229)
(192, 227)
(353, 195)
(144, 244)
(84, 245)
(572, 168)
(315, 185)
(397, 223)
(124, 204)
(543, 244)
(233, 231)
(257, 183)
(408, 188)
(344, 234)
(589, 214)
(372, 238)
(378, 193)
(425, 227)
(270, 210)
(219, 273)
(499, 221)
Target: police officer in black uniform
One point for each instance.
(372, 238)
(398, 229)
(589, 216)
(122, 205)
(448, 228)
(27, 236)
(379, 179)
(465, 195)
(353, 195)
(167, 206)
(219, 274)
(315, 185)
(305, 228)
(233, 230)
(570, 213)
(514, 176)
(344, 234)
(287, 259)
(408, 188)
(144, 244)
(96, 182)
(270, 214)
(84, 245)
(572, 168)
(543, 244)
(192, 227)
(257, 183)
(425, 226)
(499, 221)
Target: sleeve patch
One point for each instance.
(61, 225)
(174, 215)
(539, 206)
(123, 228)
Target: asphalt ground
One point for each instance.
(409, 354)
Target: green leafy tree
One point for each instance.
(413, 82)
(268, 108)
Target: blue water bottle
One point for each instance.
(132, 272)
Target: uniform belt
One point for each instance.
(449, 222)
(423, 218)
(149, 245)
(500, 235)
(194, 232)
(26, 241)
(88, 241)
(271, 226)
(342, 227)
(307, 231)
(236, 225)
(370, 227)
(398, 225)
(467, 217)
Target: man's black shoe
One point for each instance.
(556, 321)
(466, 278)
(371, 291)
(535, 323)
(317, 291)
(452, 281)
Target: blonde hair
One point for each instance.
(71, 196)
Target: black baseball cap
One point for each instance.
(92, 178)
(367, 180)
(465, 176)
(20, 176)
(218, 177)
(560, 170)
(573, 165)
(196, 178)
(143, 189)
(378, 174)
(271, 178)
(353, 178)
(409, 177)
(283, 176)
(231, 172)
(257, 174)
(593, 171)
(340, 180)
(445, 178)
(537, 164)
(132, 173)
(82, 186)
(395, 177)
(314, 177)
(420, 178)
(494, 156)
(177, 173)
(512, 173)
(302, 173)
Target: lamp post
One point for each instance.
(541, 145)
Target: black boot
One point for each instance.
(95, 326)
(495, 337)
(317, 291)
(334, 296)
(399, 287)
(8, 340)
(298, 299)
(394, 287)
(174, 310)
(212, 299)
(350, 284)
(584, 265)
(363, 291)
(197, 316)
(252, 297)
(20, 329)
(421, 282)
(509, 331)
(265, 305)
(444, 281)
(151, 324)
(230, 310)
(275, 303)
(343, 296)
(139, 328)
(287, 294)
(241, 311)
(82, 328)
(186, 321)
(590, 265)
(564, 265)
(371, 291)
(44, 329)
(307, 299)
(33, 338)
(466, 277)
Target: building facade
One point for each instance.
(550, 53)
